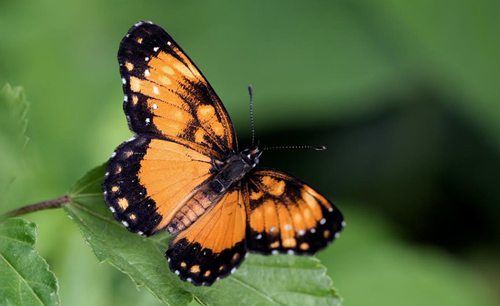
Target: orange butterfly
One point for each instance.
(183, 171)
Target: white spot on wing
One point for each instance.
(274, 252)
(140, 233)
(125, 223)
(313, 230)
(272, 229)
(146, 72)
(291, 252)
(124, 81)
(113, 210)
(189, 280)
(288, 226)
(169, 43)
(148, 120)
(113, 155)
(155, 106)
(146, 58)
(125, 98)
(259, 236)
(343, 224)
(155, 89)
(330, 209)
(233, 270)
(301, 232)
(322, 221)
(337, 234)
(177, 272)
(155, 49)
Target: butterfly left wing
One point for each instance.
(213, 246)
(182, 131)
(167, 97)
(287, 216)
(149, 180)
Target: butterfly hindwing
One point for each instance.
(286, 215)
(167, 97)
(214, 245)
(149, 179)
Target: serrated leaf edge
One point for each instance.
(45, 264)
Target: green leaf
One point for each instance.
(261, 280)
(25, 278)
(13, 110)
(13, 123)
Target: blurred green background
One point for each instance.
(404, 94)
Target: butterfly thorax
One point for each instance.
(234, 169)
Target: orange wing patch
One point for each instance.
(169, 96)
(212, 247)
(149, 180)
(171, 174)
(286, 215)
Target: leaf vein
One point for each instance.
(21, 278)
(248, 286)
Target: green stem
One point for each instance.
(49, 204)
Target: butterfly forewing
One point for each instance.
(286, 215)
(167, 97)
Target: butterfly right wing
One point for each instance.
(287, 216)
(214, 246)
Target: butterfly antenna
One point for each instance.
(318, 148)
(250, 91)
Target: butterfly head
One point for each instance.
(251, 156)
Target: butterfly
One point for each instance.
(183, 172)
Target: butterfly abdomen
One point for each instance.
(201, 201)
